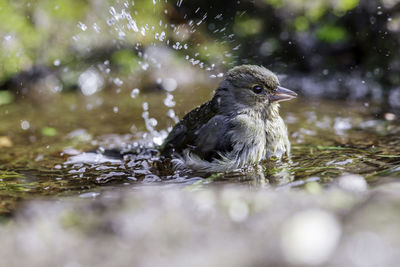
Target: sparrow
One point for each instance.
(238, 127)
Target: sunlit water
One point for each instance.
(93, 146)
(92, 155)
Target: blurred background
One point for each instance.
(91, 75)
(328, 48)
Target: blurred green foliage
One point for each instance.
(77, 34)
(308, 36)
(45, 31)
(36, 33)
(245, 25)
(332, 34)
(49, 131)
(346, 5)
(126, 60)
(5, 97)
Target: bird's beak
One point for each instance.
(282, 94)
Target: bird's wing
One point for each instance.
(212, 139)
(183, 135)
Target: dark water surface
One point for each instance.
(48, 140)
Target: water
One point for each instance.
(125, 72)
(48, 144)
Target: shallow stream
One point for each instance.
(44, 149)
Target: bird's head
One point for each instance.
(254, 86)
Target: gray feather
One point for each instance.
(211, 138)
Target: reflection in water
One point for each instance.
(143, 165)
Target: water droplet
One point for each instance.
(171, 114)
(90, 81)
(25, 125)
(153, 122)
(145, 66)
(135, 92)
(110, 22)
(169, 101)
(121, 35)
(143, 31)
(82, 26)
(118, 82)
(236, 47)
(177, 46)
(158, 140)
(96, 27)
(169, 84)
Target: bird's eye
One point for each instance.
(257, 89)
